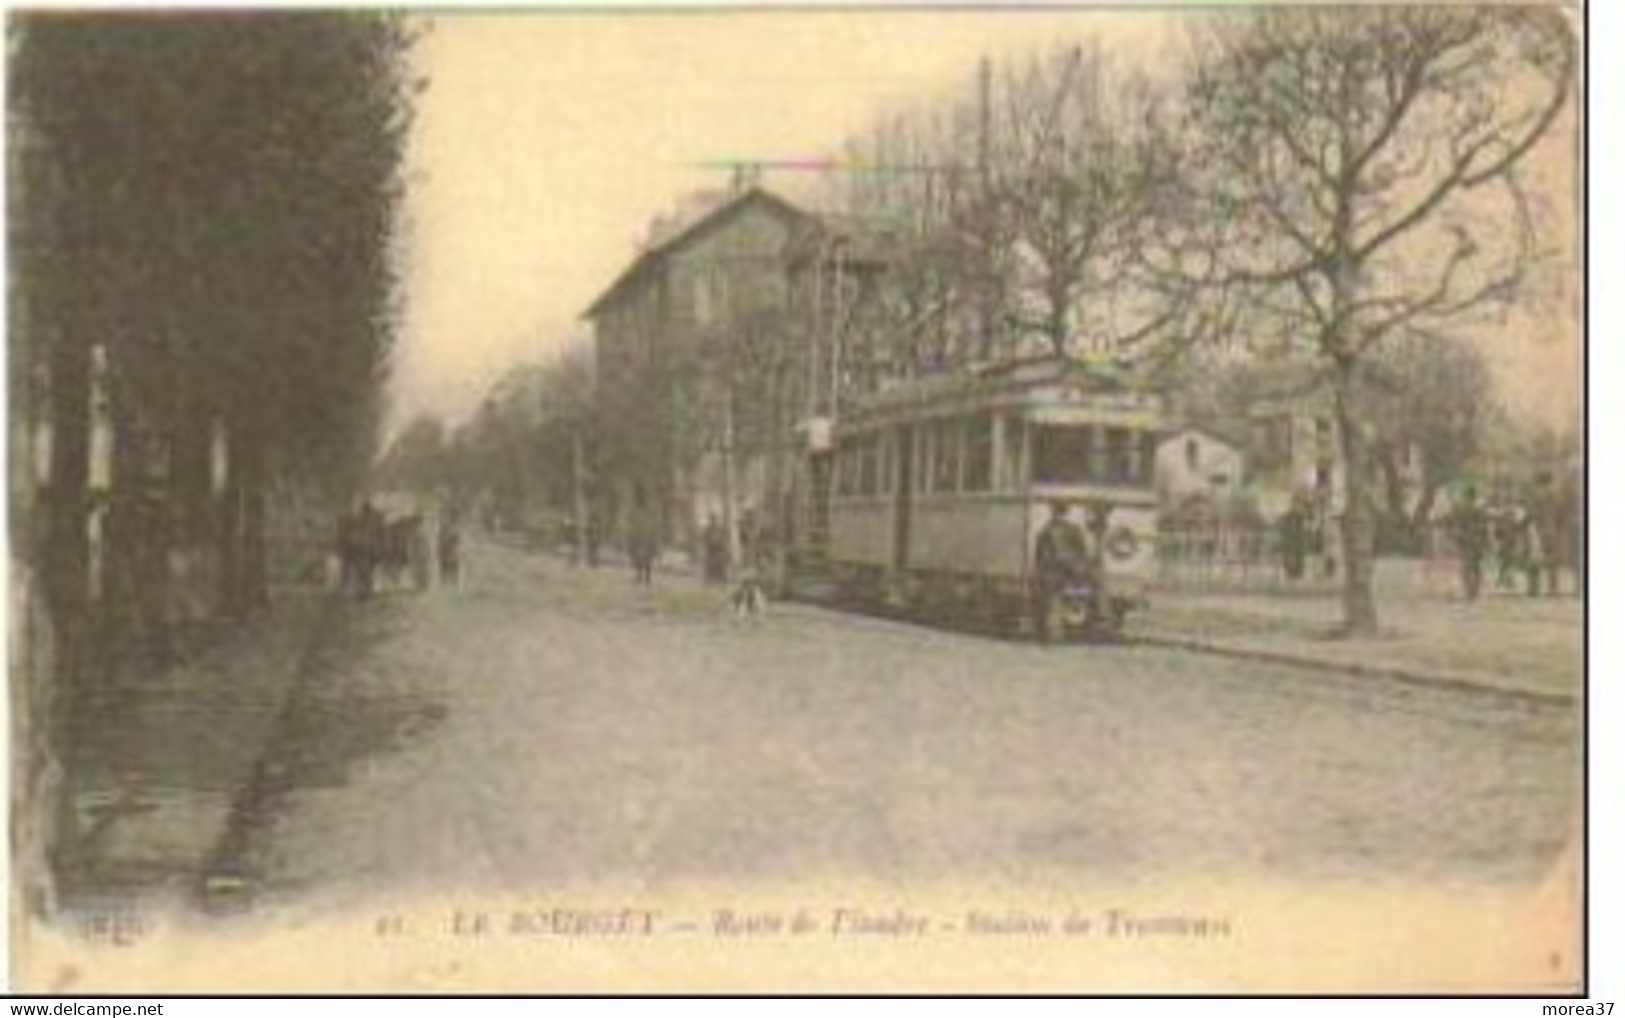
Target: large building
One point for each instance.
(702, 368)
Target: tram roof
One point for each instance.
(993, 379)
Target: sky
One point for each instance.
(546, 141)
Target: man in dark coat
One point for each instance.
(373, 537)
(714, 551)
(1542, 541)
(449, 551)
(1060, 560)
(1472, 533)
(643, 543)
(1295, 538)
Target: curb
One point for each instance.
(1439, 679)
(222, 880)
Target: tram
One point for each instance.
(937, 488)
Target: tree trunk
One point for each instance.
(1056, 327)
(256, 588)
(1359, 604)
(67, 500)
(232, 501)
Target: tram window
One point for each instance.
(1063, 455)
(869, 460)
(1148, 458)
(979, 453)
(945, 471)
(1010, 477)
(1120, 456)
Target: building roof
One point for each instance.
(709, 220)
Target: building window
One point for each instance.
(1148, 457)
(1120, 456)
(1063, 455)
(1193, 454)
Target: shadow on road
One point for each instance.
(329, 724)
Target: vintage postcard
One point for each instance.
(730, 499)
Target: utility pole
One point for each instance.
(984, 212)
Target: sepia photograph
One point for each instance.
(1064, 499)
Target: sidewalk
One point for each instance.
(157, 766)
(1505, 642)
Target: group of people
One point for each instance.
(1537, 537)
(1303, 537)
(373, 549)
(717, 565)
(1068, 560)
(749, 595)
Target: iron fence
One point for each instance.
(1239, 558)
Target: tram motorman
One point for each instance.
(1061, 561)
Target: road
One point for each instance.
(547, 726)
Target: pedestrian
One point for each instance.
(750, 595)
(448, 549)
(1294, 527)
(713, 551)
(420, 552)
(594, 537)
(349, 551)
(1060, 561)
(1470, 528)
(372, 538)
(1507, 531)
(1568, 522)
(643, 542)
(1540, 543)
(1559, 514)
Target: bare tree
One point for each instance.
(1016, 216)
(1076, 174)
(1434, 398)
(569, 433)
(914, 183)
(1353, 173)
